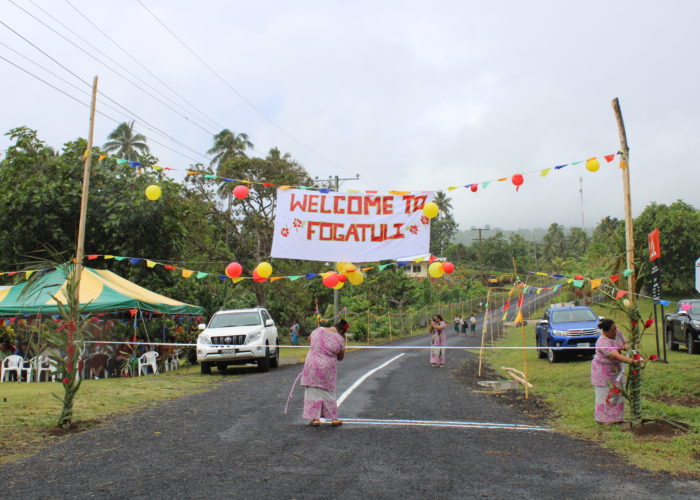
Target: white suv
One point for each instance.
(237, 337)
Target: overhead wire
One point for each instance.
(111, 69)
(141, 120)
(143, 66)
(238, 93)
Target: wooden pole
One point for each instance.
(522, 327)
(629, 223)
(483, 331)
(87, 163)
(389, 313)
(368, 313)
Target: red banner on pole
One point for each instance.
(654, 245)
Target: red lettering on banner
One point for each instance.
(388, 205)
(408, 199)
(310, 229)
(336, 227)
(312, 203)
(336, 200)
(323, 205)
(352, 232)
(358, 208)
(419, 202)
(326, 235)
(398, 234)
(373, 201)
(297, 204)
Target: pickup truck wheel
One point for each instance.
(669, 342)
(275, 360)
(205, 368)
(540, 353)
(264, 363)
(553, 356)
(692, 348)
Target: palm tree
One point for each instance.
(229, 145)
(443, 203)
(125, 143)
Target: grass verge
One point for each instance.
(29, 411)
(670, 391)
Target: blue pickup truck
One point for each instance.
(566, 327)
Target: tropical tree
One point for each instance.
(554, 242)
(126, 143)
(577, 242)
(443, 227)
(229, 145)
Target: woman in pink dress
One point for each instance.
(606, 373)
(326, 348)
(439, 340)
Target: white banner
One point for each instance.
(350, 227)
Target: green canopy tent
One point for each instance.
(100, 291)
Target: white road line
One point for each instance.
(445, 424)
(354, 386)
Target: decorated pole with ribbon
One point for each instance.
(624, 165)
(87, 159)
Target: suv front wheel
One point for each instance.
(264, 363)
(275, 360)
(205, 368)
(692, 347)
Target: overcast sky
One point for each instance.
(410, 95)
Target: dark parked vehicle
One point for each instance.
(566, 327)
(683, 327)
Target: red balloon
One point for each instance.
(240, 192)
(474, 187)
(331, 280)
(233, 270)
(257, 278)
(517, 180)
(578, 277)
(342, 278)
(448, 267)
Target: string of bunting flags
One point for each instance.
(591, 164)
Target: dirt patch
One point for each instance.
(534, 406)
(687, 401)
(73, 428)
(660, 429)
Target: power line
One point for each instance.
(238, 93)
(111, 69)
(145, 123)
(143, 66)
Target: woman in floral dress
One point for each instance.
(439, 340)
(606, 373)
(326, 348)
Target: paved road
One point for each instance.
(234, 442)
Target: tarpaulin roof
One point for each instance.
(100, 290)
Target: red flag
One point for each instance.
(521, 299)
(168, 266)
(614, 278)
(92, 257)
(609, 158)
(620, 294)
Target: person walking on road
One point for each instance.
(294, 333)
(606, 373)
(472, 325)
(457, 323)
(326, 348)
(439, 340)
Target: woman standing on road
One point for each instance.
(326, 348)
(439, 340)
(606, 373)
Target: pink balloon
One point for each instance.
(234, 270)
(448, 267)
(240, 192)
(331, 280)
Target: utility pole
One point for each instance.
(336, 293)
(480, 240)
(87, 162)
(629, 223)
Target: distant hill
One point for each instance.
(468, 236)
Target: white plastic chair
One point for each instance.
(15, 364)
(148, 359)
(173, 361)
(42, 363)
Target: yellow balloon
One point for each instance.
(345, 267)
(264, 269)
(430, 210)
(153, 192)
(339, 285)
(435, 269)
(592, 164)
(356, 277)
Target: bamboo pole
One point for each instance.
(483, 332)
(629, 223)
(522, 327)
(87, 162)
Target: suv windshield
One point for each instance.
(573, 316)
(226, 320)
